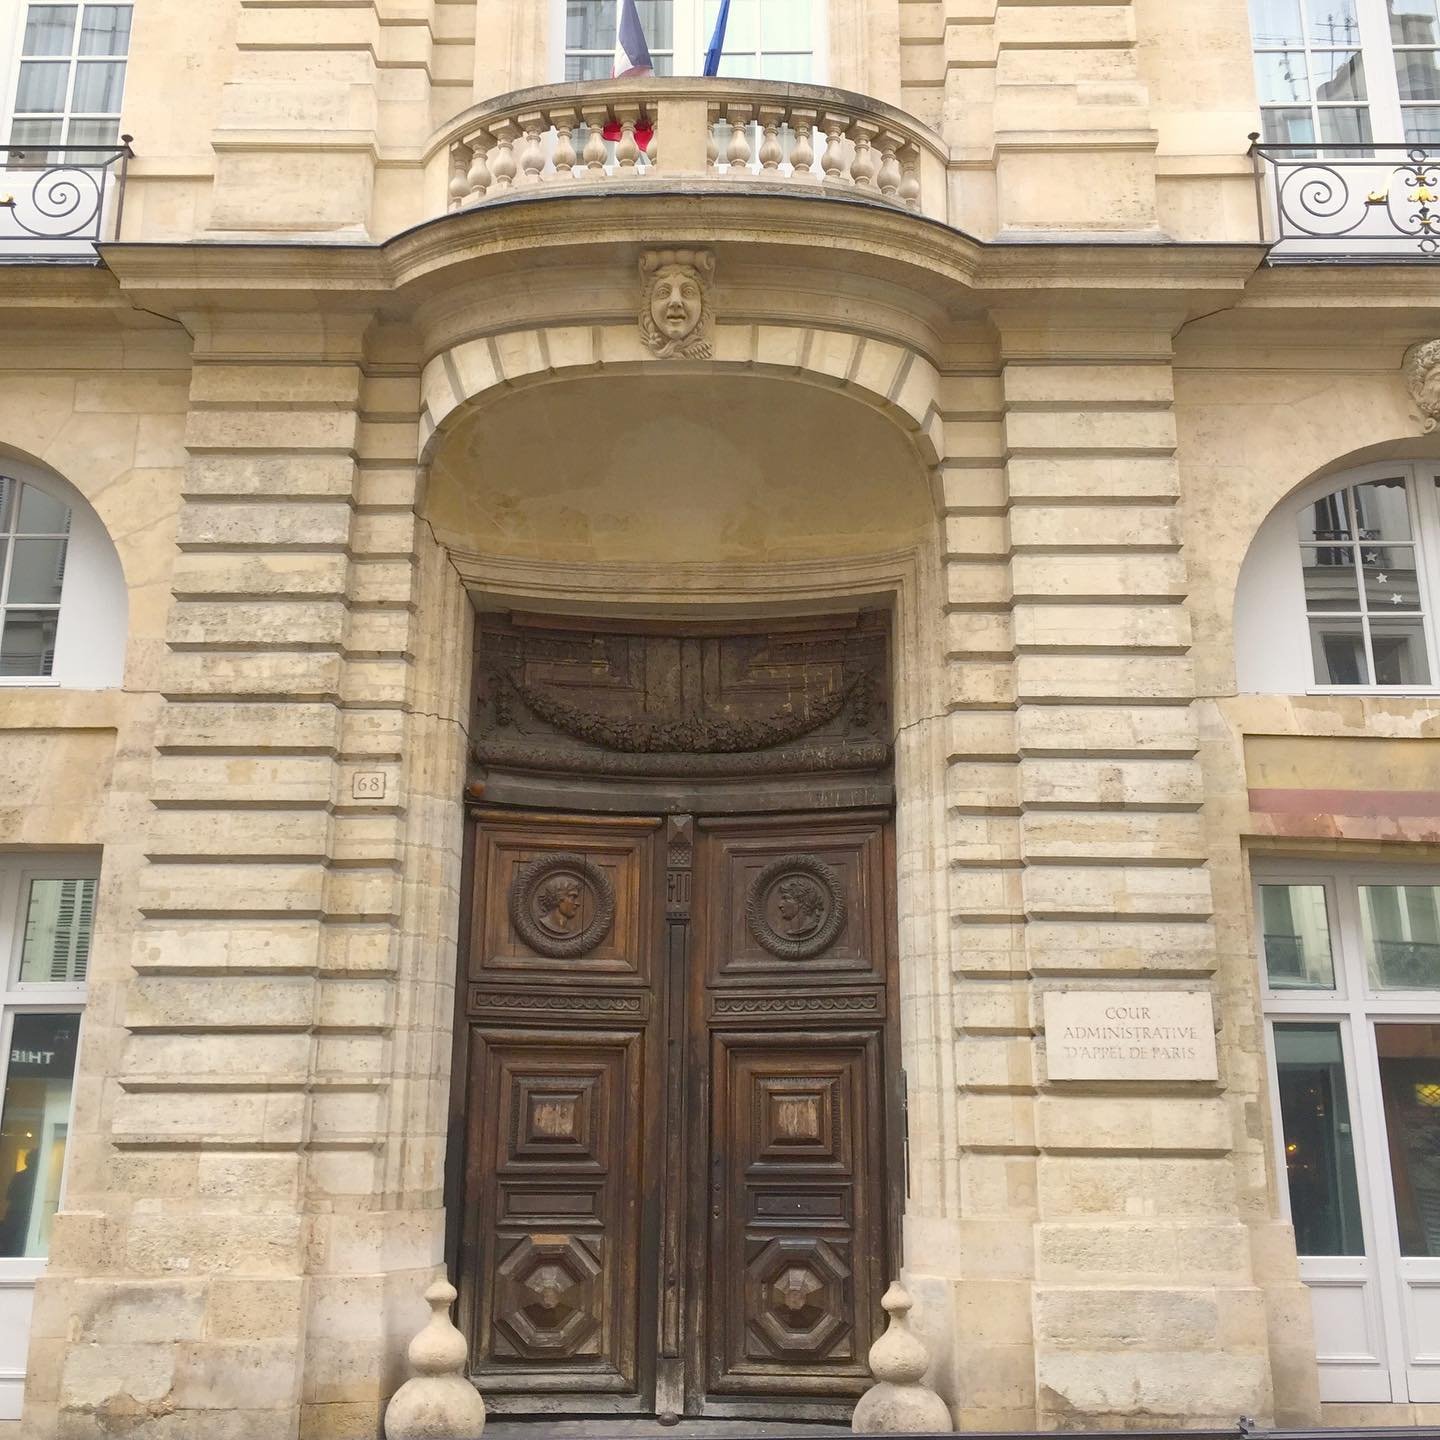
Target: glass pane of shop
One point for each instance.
(1295, 928)
(59, 917)
(1391, 582)
(1328, 518)
(1401, 928)
(1398, 649)
(27, 642)
(41, 513)
(1410, 1086)
(1382, 510)
(1319, 1143)
(34, 1122)
(37, 572)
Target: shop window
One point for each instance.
(1351, 961)
(47, 912)
(764, 39)
(1338, 74)
(1352, 566)
(62, 593)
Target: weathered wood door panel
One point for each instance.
(676, 1190)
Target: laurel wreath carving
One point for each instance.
(785, 946)
(530, 876)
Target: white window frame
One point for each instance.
(18, 1275)
(691, 37)
(17, 12)
(1273, 648)
(93, 627)
(1382, 88)
(1401, 1369)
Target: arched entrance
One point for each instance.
(679, 1172)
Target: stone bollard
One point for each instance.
(898, 1403)
(438, 1403)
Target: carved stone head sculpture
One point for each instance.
(1422, 375)
(675, 313)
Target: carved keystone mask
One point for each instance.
(1422, 376)
(675, 312)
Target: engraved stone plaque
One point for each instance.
(1130, 1035)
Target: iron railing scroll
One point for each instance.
(59, 201)
(1348, 202)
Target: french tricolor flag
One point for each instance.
(632, 54)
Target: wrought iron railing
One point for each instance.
(60, 200)
(1348, 202)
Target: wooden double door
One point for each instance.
(678, 1112)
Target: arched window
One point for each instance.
(1339, 589)
(62, 593)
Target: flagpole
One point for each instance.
(717, 41)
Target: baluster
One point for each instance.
(864, 165)
(909, 192)
(833, 161)
(771, 151)
(652, 149)
(532, 152)
(737, 152)
(627, 152)
(802, 149)
(502, 160)
(889, 175)
(595, 152)
(564, 146)
(459, 174)
(479, 175)
(712, 141)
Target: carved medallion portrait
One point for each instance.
(675, 312)
(795, 907)
(561, 906)
(1422, 379)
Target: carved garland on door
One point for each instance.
(795, 907)
(549, 898)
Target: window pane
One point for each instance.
(41, 513)
(1339, 75)
(1276, 22)
(1410, 1085)
(1347, 125)
(1332, 22)
(1288, 127)
(49, 30)
(742, 29)
(27, 642)
(587, 67)
(1296, 932)
(42, 86)
(1282, 76)
(34, 136)
(1330, 581)
(98, 87)
(657, 19)
(58, 922)
(1417, 72)
(1390, 579)
(34, 1121)
(1402, 935)
(1422, 124)
(1327, 519)
(1319, 1145)
(590, 25)
(786, 67)
(8, 487)
(785, 25)
(1398, 649)
(1338, 647)
(1382, 511)
(37, 572)
(1414, 22)
(105, 30)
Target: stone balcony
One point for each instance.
(699, 135)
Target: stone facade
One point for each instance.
(1041, 407)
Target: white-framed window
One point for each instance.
(1350, 961)
(47, 912)
(63, 601)
(68, 77)
(764, 39)
(1347, 72)
(1338, 592)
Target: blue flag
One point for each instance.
(717, 40)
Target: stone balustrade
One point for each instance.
(661, 131)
